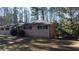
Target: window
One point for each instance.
(39, 27)
(45, 27)
(27, 27)
(2, 28)
(30, 27)
(7, 28)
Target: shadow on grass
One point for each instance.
(63, 45)
(64, 49)
(16, 46)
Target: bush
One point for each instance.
(21, 32)
(13, 32)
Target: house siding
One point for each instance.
(35, 32)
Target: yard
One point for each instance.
(9, 43)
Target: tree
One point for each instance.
(25, 15)
(68, 23)
(20, 14)
(7, 15)
(34, 13)
(44, 13)
(15, 17)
